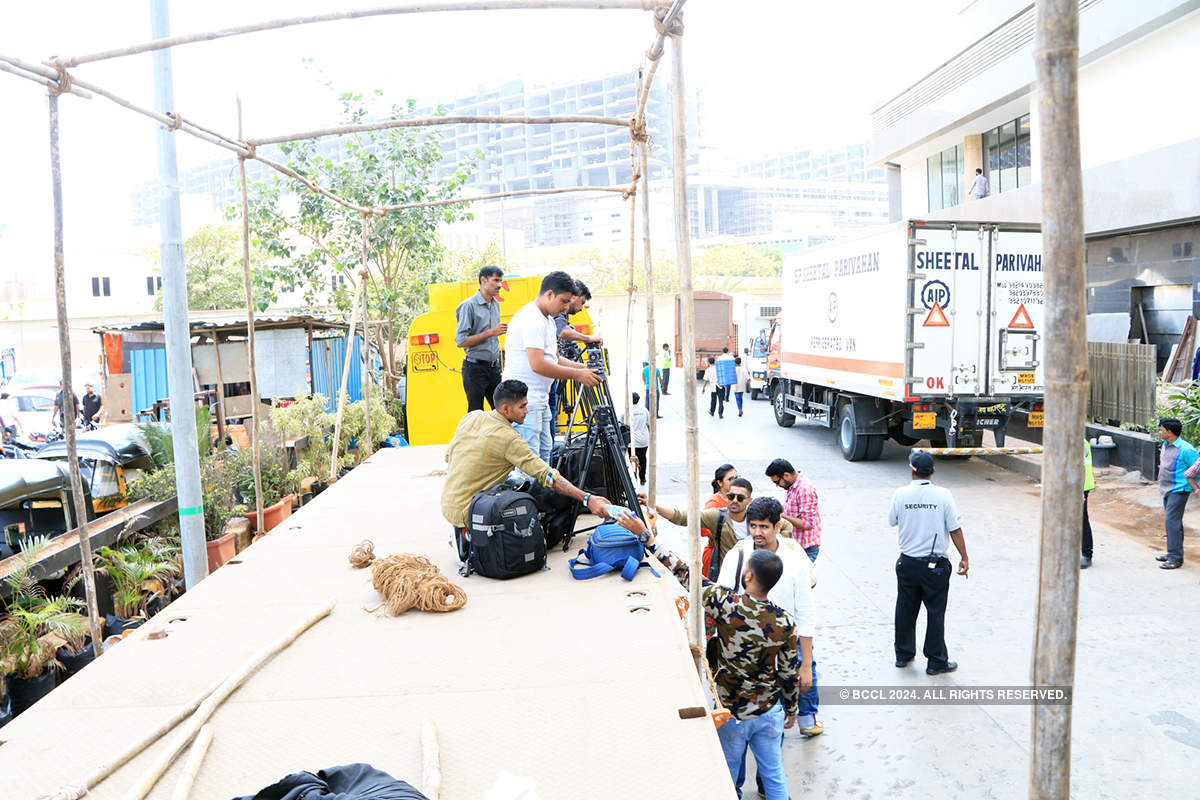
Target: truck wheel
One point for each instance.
(854, 444)
(783, 418)
(875, 447)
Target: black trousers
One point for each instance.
(666, 379)
(479, 382)
(917, 584)
(1086, 547)
(640, 452)
(717, 401)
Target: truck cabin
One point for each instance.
(108, 457)
(35, 500)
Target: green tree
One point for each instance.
(463, 263)
(315, 245)
(213, 257)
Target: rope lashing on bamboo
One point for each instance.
(176, 121)
(64, 80)
(674, 30)
(407, 581)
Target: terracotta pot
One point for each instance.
(240, 528)
(220, 551)
(273, 515)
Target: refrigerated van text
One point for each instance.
(1005, 262)
(838, 268)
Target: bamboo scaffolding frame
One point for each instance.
(39, 73)
(211, 703)
(260, 520)
(653, 397)
(366, 347)
(78, 509)
(339, 16)
(1056, 57)
(191, 767)
(429, 122)
(355, 306)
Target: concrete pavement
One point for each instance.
(1136, 713)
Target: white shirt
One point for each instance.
(710, 379)
(740, 529)
(793, 593)
(641, 426)
(979, 187)
(530, 328)
(925, 514)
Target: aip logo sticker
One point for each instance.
(935, 293)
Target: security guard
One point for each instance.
(928, 521)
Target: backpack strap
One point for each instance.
(585, 571)
(632, 565)
(737, 576)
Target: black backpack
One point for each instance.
(505, 534)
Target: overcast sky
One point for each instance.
(775, 75)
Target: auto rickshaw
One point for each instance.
(107, 455)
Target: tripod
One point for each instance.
(604, 440)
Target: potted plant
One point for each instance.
(308, 421)
(27, 652)
(217, 474)
(354, 423)
(277, 484)
(138, 574)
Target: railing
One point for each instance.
(1123, 382)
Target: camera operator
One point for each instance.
(531, 356)
(486, 447)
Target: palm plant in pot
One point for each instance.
(138, 573)
(32, 631)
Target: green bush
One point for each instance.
(1183, 406)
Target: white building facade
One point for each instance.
(1140, 148)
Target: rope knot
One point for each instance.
(64, 79)
(638, 131)
(176, 121)
(675, 29)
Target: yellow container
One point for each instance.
(436, 399)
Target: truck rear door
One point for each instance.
(948, 291)
(1017, 313)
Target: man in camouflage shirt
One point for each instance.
(757, 673)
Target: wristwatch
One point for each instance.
(586, 497)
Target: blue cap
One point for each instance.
(921, 463)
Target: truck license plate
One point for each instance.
(1035, 419)
(923, 420)
(1026, 379)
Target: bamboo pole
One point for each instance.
(1057, 89)
(49, 83)
(653, 397)
(74, 791)
(207, 708)
(683, 249)
(629, 291)
(414, 8)
(498, 195)
(366, 346)
(260, 521)
(79, 509)
(431, 762)
(220, 388)
(183, 788)
(341, 399)
(424, 122)
(667, 26)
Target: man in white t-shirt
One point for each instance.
(531, 356)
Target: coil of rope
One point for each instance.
(407, 581)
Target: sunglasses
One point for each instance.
(734, 496)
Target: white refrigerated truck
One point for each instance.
(923, 330)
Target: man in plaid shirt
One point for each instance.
(800, 505)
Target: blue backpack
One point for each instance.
(610, 548)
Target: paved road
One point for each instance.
(1137, 711)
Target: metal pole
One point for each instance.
(64, 346)
(630, 369)
(175, 321)
(254, 401)
(683, 250)
(1056, 58)
(652, 398)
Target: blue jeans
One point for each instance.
(536, 431)
(808, 700)
(1173, 506)
(763, 735)
(812, 552)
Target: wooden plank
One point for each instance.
(63, 550)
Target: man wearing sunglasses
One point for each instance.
(729, 525)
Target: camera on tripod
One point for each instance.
(595, 461)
